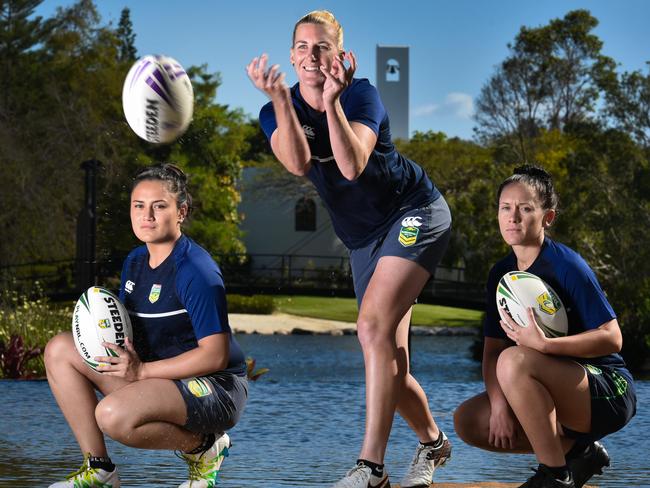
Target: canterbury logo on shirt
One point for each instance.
(309, 131)
(412, 222)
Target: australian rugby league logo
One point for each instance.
(548, 303)
(408, 234)
(154, 294)
(199, 387)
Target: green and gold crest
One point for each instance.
(199, 387)
(154, 294)
(408, 236)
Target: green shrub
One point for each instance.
(35, 320)
(258, 304)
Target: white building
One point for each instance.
(283, 222)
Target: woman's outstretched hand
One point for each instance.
(269, 80)
(338, 78)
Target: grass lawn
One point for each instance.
(345, 309)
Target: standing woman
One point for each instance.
(558, 396)
(182, 382)
(333, 129)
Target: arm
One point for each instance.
(211, 355)
(491, 351)
(288, 141)
(502, 420)
(604, 340)
(352, 142)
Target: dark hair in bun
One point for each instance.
(173, 176)
(536, 178)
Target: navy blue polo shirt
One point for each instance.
(575, 283)
(177, 303)
(363, 209)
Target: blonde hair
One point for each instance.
(321, 17)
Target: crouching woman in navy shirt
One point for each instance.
(555, 397)
(182, 382)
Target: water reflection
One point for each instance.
(304, 421)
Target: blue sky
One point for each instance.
(454, 46)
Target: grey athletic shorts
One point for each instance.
(420, 235)
(214, 402)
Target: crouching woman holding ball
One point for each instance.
(182, 382)
(554, 397)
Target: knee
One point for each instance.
(58, 350)
(371, 334)
(514, 364)
(113, 419)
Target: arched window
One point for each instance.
(392, 70)
(306, 214)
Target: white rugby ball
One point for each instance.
(98, 317)
(158, 99)
(518, 290)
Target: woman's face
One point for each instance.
(314, 46)
(155, 216)
(522, 219)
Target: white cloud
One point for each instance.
(458, 105)
(426, 110)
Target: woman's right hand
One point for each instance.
(270, 81)
(503, 429)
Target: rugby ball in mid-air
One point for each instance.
(158, 99)
(518, 290)
(98, 317)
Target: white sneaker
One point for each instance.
(204, 467)
(361, 477)
(90, 477)
(425, 461)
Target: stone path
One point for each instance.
(282, 323)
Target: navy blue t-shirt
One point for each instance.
(575, 283)
(177, 303)
(363, 209)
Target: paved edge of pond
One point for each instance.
(285, 324)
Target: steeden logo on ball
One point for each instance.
(99, 317)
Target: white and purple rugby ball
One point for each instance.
(98, 317)
(518, 290)
(158, 99)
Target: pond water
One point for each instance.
(303, 425)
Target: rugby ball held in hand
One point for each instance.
(98, 317)
(518, 290)
(158, 99)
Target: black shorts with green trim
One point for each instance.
(613, 402)
(215, 402)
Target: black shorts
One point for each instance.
(420, 235)
(613, 402)
(215, 402)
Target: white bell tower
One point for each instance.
(393, 86)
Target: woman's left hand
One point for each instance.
(530, 336)
(127, 365)
(338, 78)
